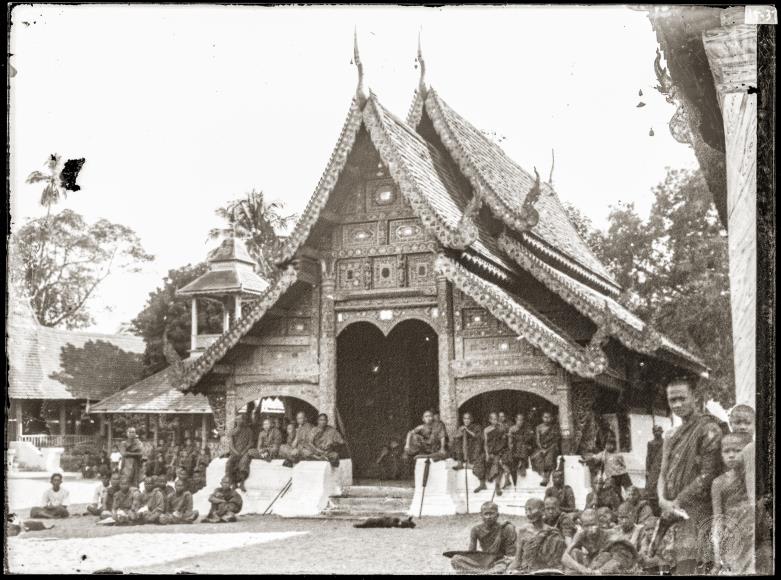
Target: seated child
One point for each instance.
(54, 503)
(225, 503)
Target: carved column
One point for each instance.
(566, 420)
(328, 341)
(448, 406)
(732, 54)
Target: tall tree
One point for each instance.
(61, 260)
(258, 221)
(165, 313)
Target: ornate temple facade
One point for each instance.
(429, 270)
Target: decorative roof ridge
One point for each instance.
(415, 113)
(457, 238)
(541, 246)
(192, 371)
(586, 362)
(519, 221)
(325, 185)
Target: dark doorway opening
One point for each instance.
(383, 387)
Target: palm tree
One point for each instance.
(260, 223)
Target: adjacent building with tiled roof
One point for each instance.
(430, 270)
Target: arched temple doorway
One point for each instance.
(511, 402)
(384, 384)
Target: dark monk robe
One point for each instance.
(538, 549)
(427, 440)
(132, 454)
(475, 454)
(565, 496)
(291, 451)
(241, 441)
(322, 445)
(497, 549)
(225, 504)
(154, 508)
(269, 442)
(543, 460)
(521, 441)
(179, 509)
(691, 460)
(496, 450)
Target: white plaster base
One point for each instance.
(440, 497)
(313, 482)
(511, 502)
(578, 477)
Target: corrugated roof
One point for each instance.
(53, 363)
(154, 394)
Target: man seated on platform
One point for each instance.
(427, 440)
(291, 450)
(556, 518)
(467, 447)
(225, 503)
(521, 439)
(496, 542)
(389, 463)
(588, 547)
(497, 454)
(179, 507)
(548, 442)
(438, 420)
(269, 442)
(290, 434)
(54, 503)
(323, 443)
(641, 508)
(563, 493)
(626, 527)
(539, 545)
(241, 442)
(126, 503)
(99, 495)
(152, 502)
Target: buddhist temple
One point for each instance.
(431, 271)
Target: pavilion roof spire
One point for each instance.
(360, 90)
(422, 82)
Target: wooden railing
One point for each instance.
(66, 441)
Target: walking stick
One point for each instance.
(280, 493)
(426, 469)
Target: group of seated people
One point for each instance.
(498, 453)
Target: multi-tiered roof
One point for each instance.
(450, 173)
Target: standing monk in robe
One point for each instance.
(496, 542)
(539, 546)
(548, 439)
(691, 460)
(653, 465)
(521, 439)
(291, 450)
(241, 441)
(427, 440)
(179, 508)
(468, 447)
(496, 453)
(323, 443)
(225, 503)
(269, 442)
(132, 455)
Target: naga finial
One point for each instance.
(360, 90)
(422, 81)
(552, 165)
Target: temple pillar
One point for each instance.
(237, 307)
(732, 55)
(448, 406)
(327, 357)
(566, 419)
(226, 315)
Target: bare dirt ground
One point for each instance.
(252, 545)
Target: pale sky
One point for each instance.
(178, 109)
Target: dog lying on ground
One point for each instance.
(385, 522)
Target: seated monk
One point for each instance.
(497, 454)
(496, 541)
(241, 440)
(663, 560)
(225, 503)
(539, 546)
(54, 503)
(153, 507)
(587, 545)
(427, 440)
(323, 443)
(606, 518)
(126, 503)
(558, 519)
(107, 503)
(179, 507)
(99, 495)
(520, 436)
(547, 437)
(563, 493)
(468, 447)
(641, 508)
(291, 450)
(269, 442)
(627, 529)
(620, 557)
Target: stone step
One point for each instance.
(372, 504)
(377, 491)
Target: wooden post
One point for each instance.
(109, 435)
(204, 421)
(226, 316)
(193, 323)
(732, 55)
(19, 419)
(237, 307)
(63, 418)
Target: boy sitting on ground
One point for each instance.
(179, 508)
(54, 503)
(225, 503)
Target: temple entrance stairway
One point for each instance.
(370, 498)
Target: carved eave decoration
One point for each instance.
(192, 371)
(478, 176)
(585, 362)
